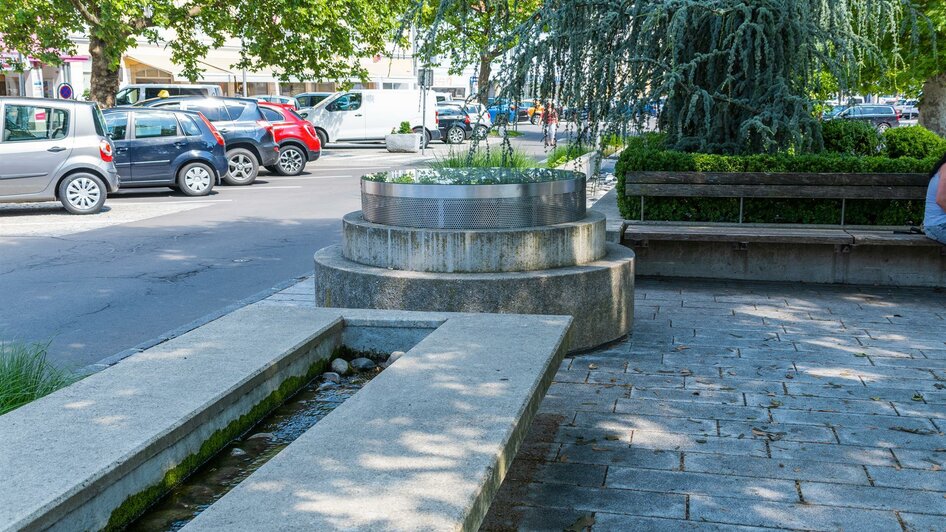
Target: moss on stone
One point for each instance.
(135, 505)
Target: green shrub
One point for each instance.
(26, 375)
(851, 137)
(913, 141)
(646, 153)
(564, 153)
(495, 158)
(404, 129)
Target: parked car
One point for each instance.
(164, 147)
(55, 150)
(908, 109)
(454, 123)
(298, 143)
(249, 137)
(132, 94)
(502, 109)
(881, 117)
(369, 115)
(285, 101)
(479, 117)
(311, 99)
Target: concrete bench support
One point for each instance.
(424, 446)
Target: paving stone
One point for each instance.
(932, 460)
(701, 484)
(599, 363)
(619, 455)
(732, 384)
(645, 423)
(923, 523)
(920, 409)
(696, 410)
(874, 497)
(895, 436)
(703, 444)
(834, 419)
(857, 391)
(606, 500)
(777, 431)
(844, 454)
(753, 466)
(590, 435)
(821, 404)
(694, 396)
(626, 523)
(893, 477)
(788, 515)
(558, 473)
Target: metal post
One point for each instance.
(423, 120)
(244, 83)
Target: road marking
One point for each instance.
(181, 202)
(300, 178)
(263, 187)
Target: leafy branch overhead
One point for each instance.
(306, 40)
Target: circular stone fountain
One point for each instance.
(481, 240)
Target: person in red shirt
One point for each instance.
(550, 119)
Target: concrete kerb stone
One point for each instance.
(424, 446)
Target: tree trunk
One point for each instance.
(933, 105)
(105, 75)
(486, 66)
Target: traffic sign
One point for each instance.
(65, 91)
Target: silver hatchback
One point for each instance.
(55, 150)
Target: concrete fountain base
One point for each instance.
(598, 294)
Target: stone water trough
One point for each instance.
(481, 240)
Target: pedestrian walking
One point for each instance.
(550, 120)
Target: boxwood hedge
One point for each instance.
(646, 153)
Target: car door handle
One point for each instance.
(223, 129)
(55, 149)
(359, 114)
(121, 150)
(180, 144)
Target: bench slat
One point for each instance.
(889, 238)
(776, 191)
(729, 233)
(794, 179)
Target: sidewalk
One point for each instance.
(739, 406)
(782, 406)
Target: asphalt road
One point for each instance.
(93, 286)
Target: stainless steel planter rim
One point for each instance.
(511, 190)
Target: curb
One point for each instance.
(187, 327)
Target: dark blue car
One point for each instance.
(156, 147)
(248, 135)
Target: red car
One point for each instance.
(298, 143)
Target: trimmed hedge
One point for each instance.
(646, 153)
(851, 137)
(913, 141)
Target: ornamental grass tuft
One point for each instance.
(26, 375)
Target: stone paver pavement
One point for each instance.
(745, 407)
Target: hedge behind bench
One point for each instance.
(645, 153)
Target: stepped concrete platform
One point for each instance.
(423, 446)
(599, 294)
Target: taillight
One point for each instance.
(105, 151)
(467, 119)
(213, 130)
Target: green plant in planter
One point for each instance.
(404, 129)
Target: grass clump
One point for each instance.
(26, 375)
(511, 133)
(564, 153)
(486, 159)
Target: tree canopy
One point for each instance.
(303, 39)
(733, 76)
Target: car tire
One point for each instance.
(455, 135)
(425, 140)
(883, 126)
(534, 119)
(196, 179)
(291, 160)
(480, 132)
(323, 137)
(82, 193)
(242, 167)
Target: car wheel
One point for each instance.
(480, 132)
(426, 138)
(82, 193)
(242, 167)
(291, 161)
(323, 137)
(195, 179)
(882, 127)
(455, 135)
(534, 119)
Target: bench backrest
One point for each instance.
(781, 185)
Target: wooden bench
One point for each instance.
(641, 234)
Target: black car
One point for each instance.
(453, 123)
(881, 117)
(248, 135)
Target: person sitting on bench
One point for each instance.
(934, 223)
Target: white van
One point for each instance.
(369, 115)
(132, 94)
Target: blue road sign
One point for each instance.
(65, 91)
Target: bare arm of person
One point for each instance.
(941, 189)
